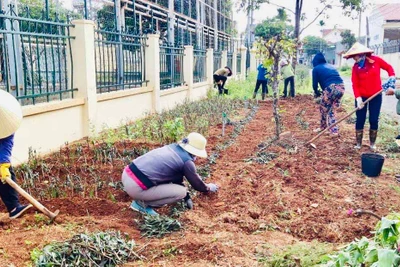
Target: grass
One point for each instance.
(299, 254)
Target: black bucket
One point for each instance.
(371, 164)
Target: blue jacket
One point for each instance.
(261, 73)
(6, 145)
(323, 73)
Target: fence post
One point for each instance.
(224, 59)
(84, 71)
(188, 62)
(152, 59)
(234, 64)
(253, 60)
(210, 66)
(243, 52)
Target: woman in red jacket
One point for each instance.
(366, 81)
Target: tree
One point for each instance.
(273, 50)
(275, 26)
(313, 44)
(348, 38)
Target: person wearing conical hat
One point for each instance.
(366, 81)
(10, 120)
(287, 73)
(156, 178)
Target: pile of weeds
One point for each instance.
(97, 249)
(158, 226)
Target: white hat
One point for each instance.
(195, 144)
(10, 114)
(357, 49)
(283, 62)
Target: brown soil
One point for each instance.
(303, 194)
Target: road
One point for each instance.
(389, 102)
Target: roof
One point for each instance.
(388, 11)
(325, 32)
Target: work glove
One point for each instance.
(212, 187)
(360, 103)
(5, 171)
(390, 83)
(189, 204)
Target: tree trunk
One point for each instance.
(275, 90)
(299, 7)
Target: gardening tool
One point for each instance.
(339, 121)
(33, 201)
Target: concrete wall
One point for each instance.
(48, 126)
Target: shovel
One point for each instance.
(339, 121)
(33, 201)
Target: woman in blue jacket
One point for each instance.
(332, 87)
(261, 80)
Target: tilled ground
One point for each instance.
(296, 193)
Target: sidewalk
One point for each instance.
(389, 102)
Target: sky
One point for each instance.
(335, 16)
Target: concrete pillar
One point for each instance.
(253, 60)
(210, 66)
(84, 71)
(152, 59)
(243, 52)
(188, 63)
(234, 64)
(224, 59)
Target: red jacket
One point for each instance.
(367, 80)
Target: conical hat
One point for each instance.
(357, 49)
(10, 114)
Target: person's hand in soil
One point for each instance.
(212, 188)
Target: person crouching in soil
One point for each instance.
(366, 79)
(396, 92)
(220, 76)
(332, 86)
(156, 178)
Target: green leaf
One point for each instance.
(386, 257)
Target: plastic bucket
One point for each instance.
(371, 164)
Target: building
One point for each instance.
(384, 24)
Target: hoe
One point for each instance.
(310, 142)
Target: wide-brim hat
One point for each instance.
(10, 114)
(357, 49)
(195, 144)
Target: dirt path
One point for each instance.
(302, 194)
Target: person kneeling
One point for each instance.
(156, 178)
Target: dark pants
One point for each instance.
(374, 107)
(264, 85)
(287, 81)
(8, 194)
(217, 79)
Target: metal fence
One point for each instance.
(217, 60)
(238, 63)
(171, 66)
(199, 63)
(120, 61)
(35, 57)
(230, 59)
(387, 47)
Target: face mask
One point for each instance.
(361, 62)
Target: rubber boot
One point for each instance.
(359, 137)
(263, 96)
(372, 139)
(254, 95)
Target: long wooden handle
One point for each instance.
(33, 201)
(342, 119)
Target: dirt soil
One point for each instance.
(302, 194)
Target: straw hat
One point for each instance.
(10, 114)
(195, 144)
(357, 49)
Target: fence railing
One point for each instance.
(199, 66)
(387, 47)
(171, 66)
(217, 60)
(35, 58)
(120, 61)
(239, 63)
(230, 59)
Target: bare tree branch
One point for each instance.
(319, 14)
